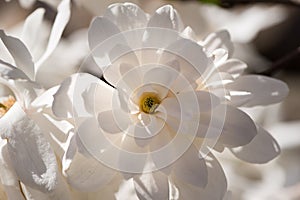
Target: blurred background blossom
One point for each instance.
(263, 34)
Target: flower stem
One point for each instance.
(283, 63)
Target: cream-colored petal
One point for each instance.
(8, 177)
(191, 169)
(31, 155)
(238, 128)
(80, 165)
(166, 17)
(87, 174)
(60, 22)
(220, 39)
(126, 16)
(161, 79)
(264, 90)
(31, 28)
(215, 188)
(20, 53)
(76, 96)
(150, 186)
(261, 149)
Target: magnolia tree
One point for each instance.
(142, 117)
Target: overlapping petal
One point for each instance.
(261, 149)
(61, 20)
(20, 53)
(263, 90)
(151, 186)
(30, 153)
(126, 16)
(215, 188)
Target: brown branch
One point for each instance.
(283, 63)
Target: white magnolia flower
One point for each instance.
(39, 41)
(27, 159)
(29, 169)
(171, 100)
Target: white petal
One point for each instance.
(120, 115)
(108, 123)
(45, 99)
(106, 42)
(238, 129)
(126, 16)
(150, 186)
(233, 66)
(220, 56)
(220, 39)
(193, 61)
(75, 96)
(56, 130)
(191, 169)
(163, 28)
(100, 30)
(26, 3)
(182, 108)
(264, 90)
(209, 125)
(98, 97)
(84, 172)
(126, 82)
(92, 141)
(23, 89)
(87, 174)
(61, 20)
(112, 190)
(227, 126)
(215, 188)
(261, 149)
(8, 177)
(132, 153)
(188, 33)
(31, 28)
(123, 61)
(206, 100)
(163, 156)
(145, 129)
(166, 17)
(20, 53)
(170, 106)
(61, 191)
(161, 78)
(218, 80)
(30, 153)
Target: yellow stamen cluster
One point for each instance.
(6, 105)
(149, 102)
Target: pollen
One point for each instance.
(149, 102)
(6, 105)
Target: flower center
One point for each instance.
(149, 102)
(6, 105)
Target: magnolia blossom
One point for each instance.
(168, 101)
(44, 44)
(29, 169)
